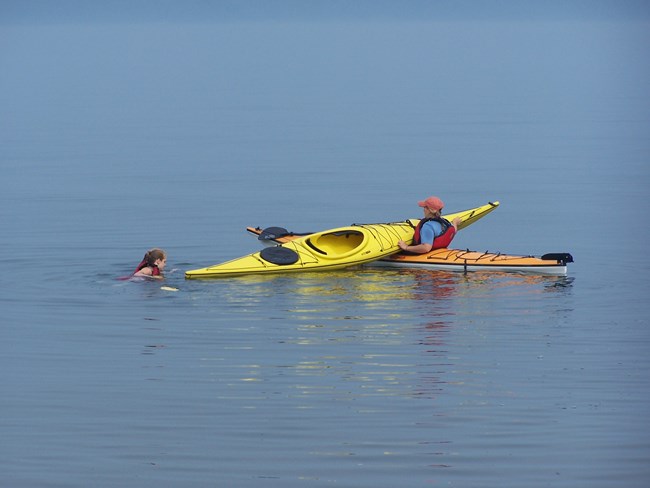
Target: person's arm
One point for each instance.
(146, 271)
(417, 249)
(427, 235)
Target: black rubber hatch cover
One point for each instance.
(279, 255)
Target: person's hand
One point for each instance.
(455, 222)
(402, 245)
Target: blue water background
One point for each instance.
(118, 137)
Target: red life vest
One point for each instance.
(445, 237)
(155, 271)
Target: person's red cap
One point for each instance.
(434, 203)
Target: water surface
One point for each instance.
(116, 138)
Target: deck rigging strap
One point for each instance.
(382, 231)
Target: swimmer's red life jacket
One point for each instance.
(155, 271)
(445, 237)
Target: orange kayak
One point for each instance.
(466, 260)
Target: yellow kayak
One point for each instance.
(273, 236)
(327, 250)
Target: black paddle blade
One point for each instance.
(563, 257)
(273, 233)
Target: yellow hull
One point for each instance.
(328, 250)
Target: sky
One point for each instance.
(62, 11)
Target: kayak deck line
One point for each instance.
(458, 254)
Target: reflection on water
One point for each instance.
(371, 332)
(376, 286)
(358, 333)
(315, 362)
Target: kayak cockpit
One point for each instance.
(335, 245)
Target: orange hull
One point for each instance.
(465, 260)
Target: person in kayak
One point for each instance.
(433, 231)
(152, 265)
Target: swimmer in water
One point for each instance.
(152, 265)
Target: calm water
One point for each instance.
(117, 138)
